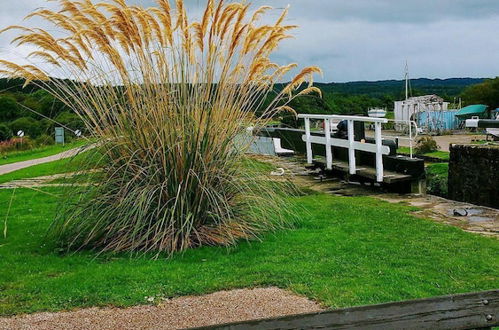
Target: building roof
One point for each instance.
(424, 99)
(472, 110)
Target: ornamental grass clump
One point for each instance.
(168, 99)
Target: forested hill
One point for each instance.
(358, 96)
(444, 87)
(342, 98)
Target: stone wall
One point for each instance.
(474, 174)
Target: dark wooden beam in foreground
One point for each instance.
(478, 310)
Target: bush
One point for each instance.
(16, 144)
(70, 120)
(437, 179)
(44, 140)
(30, 126)
(425, 145)
(5, 132)
(8, 108)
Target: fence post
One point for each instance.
(379, 155)
(329, 153)
(308, 142)
(351, 149)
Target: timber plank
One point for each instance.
(462, 311)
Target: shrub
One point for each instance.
(9, 109)
(69, 120)
(44, 140)
(16, 144)
(437, 179)
(5, 132)
(174, 176)
(30, 126)
(425, 145)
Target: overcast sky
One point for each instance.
(367, 39)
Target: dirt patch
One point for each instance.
(184, 312)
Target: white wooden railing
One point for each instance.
(378, 148)
(412, 133)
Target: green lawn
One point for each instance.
(19, 156)
(67, 165)
(443, 155)
(344, 251)
(438, 169)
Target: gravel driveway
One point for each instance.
(184, 312)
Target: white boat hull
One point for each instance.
(377, 113)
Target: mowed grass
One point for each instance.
(440, 169)
(442, 155)
(344, 251)
(20, 156)
(66, 165)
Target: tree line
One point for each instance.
(35, 111)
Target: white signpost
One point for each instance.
(20, 134)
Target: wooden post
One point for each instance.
(329, 153)
(308, 142)
(477, 310)
(379, 155)
(351, 148)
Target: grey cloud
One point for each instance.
(366, 39)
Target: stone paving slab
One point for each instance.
(471, 218)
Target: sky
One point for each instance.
(354, 40)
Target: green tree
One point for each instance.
(5, 132)
(484, 93)
(70, 120)
(9, 109)
(30, 126)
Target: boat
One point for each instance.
(494, 131)
(376, 113)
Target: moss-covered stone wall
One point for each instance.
(474, 174)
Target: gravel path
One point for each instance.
(184, 312)
(4, 169)
(443, 141)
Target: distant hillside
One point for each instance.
(395, 88)
(358, 96)
(447, 88)
(338, 98)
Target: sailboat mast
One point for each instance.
(406, 80)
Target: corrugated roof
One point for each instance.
(472, 110)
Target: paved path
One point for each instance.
(4, 169)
